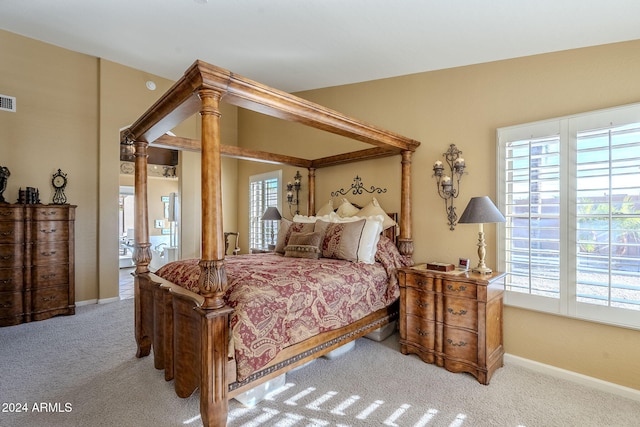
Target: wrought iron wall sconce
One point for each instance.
(449, 185)
(291, 200)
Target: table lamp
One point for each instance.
(481, 210)
(271, 214)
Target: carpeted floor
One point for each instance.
(82, 371)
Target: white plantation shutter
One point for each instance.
(264, 191)
(570, 190)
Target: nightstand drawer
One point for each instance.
(419, 281)
(460, 289)
(460, 344)
(460, 312)
(421, 331)
(420, 303)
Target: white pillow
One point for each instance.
(374, 208)
(346, 209)
(311, 219)
(326, 209)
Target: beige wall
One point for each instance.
(56, 123)
(71, 106)
(465, 106)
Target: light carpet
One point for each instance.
(82, 371)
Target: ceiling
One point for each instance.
(297, 45)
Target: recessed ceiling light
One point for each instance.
(150, 85)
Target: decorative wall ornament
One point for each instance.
(128, 168)
(291, 187)
(448, 189)
(357, 188)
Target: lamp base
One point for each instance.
(482, 270)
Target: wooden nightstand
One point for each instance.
(453, 319)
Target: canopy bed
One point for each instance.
(189, 326)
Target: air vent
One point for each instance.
(8, 103)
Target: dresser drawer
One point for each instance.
(50, 298)
(10, 304)
(460, 289)
(11, 213)
(420, 303)
(50, 253)
(421, 332)
(11, 279)
(49, 231)
(57, 213)
(11, 232)
(460, 344)
(460, 312)
(49, 275)
(11, 256)
(419, 281)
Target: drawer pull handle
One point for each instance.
(461, 288)
(456, 344)
(48, 276)
(48, 231)
(9, 305)
(49, 299)
(422, 304)
(49, 213)
(5, 213)
(6, 281)
(6, 257)
(7, 233)
(48, 253)
(422, 282)
(422, 333)
(457, 313)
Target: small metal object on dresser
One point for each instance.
(4, 177)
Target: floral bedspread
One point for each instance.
(280, 301)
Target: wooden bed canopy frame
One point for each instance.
(189, 332)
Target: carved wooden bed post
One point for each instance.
(141, 249)
(405, 242)
(213, 278)
(311, 198)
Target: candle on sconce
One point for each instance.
(459, 161)
(437, 164)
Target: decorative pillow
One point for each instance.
(286, 228)
(346, 209)
(303, 245)
(342, 240)
(374, 208)
(326, 209)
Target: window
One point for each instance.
(264, 191)
(570, 190)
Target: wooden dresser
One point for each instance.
(37, 275)
(453, 320)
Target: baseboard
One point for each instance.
(629, 393)
(97, 301)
